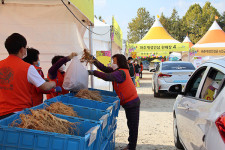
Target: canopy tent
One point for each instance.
(210, 46)
(102, 45)
(212, 43)
(186, 55)
(156, 40)
(46, 24)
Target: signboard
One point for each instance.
(117, 34)
(149, 54)
(170, 47)
(104, 57)
(86, 7)
(220, 51)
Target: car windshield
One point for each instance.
(177, 66)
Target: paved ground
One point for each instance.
(156, 122)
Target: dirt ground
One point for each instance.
(156, 120)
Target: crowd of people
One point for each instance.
(22, 81)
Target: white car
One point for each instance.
(199, 110)
(170, 73)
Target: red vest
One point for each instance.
(59, 82)
(125, 90)
(15, 90)
(37, 94)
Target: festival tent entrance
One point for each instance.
(186, 55)
(46, 24)
(157, 43)
(211, 45)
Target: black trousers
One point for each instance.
(132, 114)
(140, 74)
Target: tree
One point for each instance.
(139, 26)
(191, 23)
(208, 16)
(221, 21)
(164, 21)
(174, 26)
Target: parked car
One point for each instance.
(199, 110)
(153, 66)
(170, 73)
(145, 65)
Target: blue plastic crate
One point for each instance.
(109, 143)
(108, 99)
(104, 92)
(14, 138)
(86, 103)
(101, 116)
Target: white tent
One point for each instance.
(101, 42)
(46, 24)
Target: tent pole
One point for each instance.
(91, 49)
(110, 50)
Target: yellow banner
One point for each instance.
(150, 54)
(117, 34)
(171, 47)
(220, 51)
(86, 7)
(104, 57)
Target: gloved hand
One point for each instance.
(58, 89)
(91, 72)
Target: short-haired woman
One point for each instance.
(126, 91)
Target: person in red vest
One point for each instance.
(141, 65)
(37, 94)
(57, 72)
(126, 91)
(17, 78)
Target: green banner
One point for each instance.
(117, 34)
(86, 7)
(153, 48)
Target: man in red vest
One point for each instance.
(17, 78)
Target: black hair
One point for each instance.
(121, 61)
(14, 43)
(32, 56)
(56, 58)
(130, 58)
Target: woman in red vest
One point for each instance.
(126, 91)
(57, 72)
(141, 65)
(37, 94)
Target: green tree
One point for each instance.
(164, 21)
(139, 26)
(208, 16)
(191, 22)
(174, 27)
(221, 21)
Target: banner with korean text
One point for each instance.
(219, 51)
(117, 34)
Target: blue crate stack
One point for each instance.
(97, 123)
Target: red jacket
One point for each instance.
(125, 90)
(15, 90)
(59, 82)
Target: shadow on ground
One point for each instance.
(147, 147)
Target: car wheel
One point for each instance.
(155, 94)
(177, 142)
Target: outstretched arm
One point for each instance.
(118, 76)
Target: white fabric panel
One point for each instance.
(49, 28)
(209, 45)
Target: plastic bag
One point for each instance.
(76, 77)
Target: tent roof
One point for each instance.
(98, 23)
(187, 40)
(157, 34)
(155, 60)
(214, 37)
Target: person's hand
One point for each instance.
(91, 72)
(72, 55)
(58, 89)
(47, 80)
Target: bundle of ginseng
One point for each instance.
(87, 57)
(60, 108)
(88, 94)
(45, 121)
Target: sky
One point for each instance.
(125, 10)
